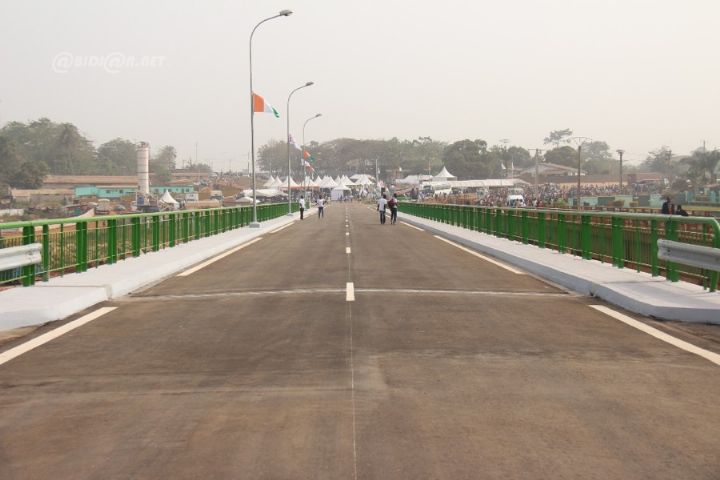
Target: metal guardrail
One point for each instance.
(20, 259)
(76, 244)
(694, 255)
(624, 239)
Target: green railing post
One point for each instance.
(562, 233)
(46, 252)
(156, 233)
(81, 245)
(585, 237)
(541, 229)
(173, 228)
(135, 236)
(654, 264)
(28, 271)
(525, 227)
(112, 240)
(617, 242)
(671, 233)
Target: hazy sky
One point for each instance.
(635, 73)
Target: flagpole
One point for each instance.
(302, 150)
(282, 13)
(288, 143)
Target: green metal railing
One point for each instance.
(76, 244)
(623, 239)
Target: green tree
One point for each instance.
(597, 158)
(118, 157)
(163, 164)
(30, 175)
(17, 172)
(565, 155)
(272, 157)
(661, 161)
(468, 159)
(60, 146)
(10, 160)
(703, 167)
(558, 137)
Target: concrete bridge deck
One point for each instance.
(341, 348)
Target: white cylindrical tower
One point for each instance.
(143, 167)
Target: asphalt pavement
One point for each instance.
(342, 348)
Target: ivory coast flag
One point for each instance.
(261, 106)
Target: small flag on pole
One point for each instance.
(307, 156)
(292, 142)
(308, 166)
(261, 106)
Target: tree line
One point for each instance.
(464, 158)
(31, 151)
(476, 159)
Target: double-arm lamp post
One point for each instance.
(308, 84)
(282, 13)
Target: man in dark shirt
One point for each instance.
(665, 210)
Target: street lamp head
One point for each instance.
(318, 115)
(309, 83)
(285, 13)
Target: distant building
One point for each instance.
(108, 191)
(39, 195)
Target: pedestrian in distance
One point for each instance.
(681, 211)
(302, 207)
(393, 204)
(321, 207)
(665, 209)
(381, 206)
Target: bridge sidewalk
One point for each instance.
(61, 297)
(637, 292)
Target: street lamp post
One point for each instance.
(579, 141)
(308, 84)
(302, 153)
(282, 13)
(620, 152)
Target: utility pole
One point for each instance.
(377, 176)
(537, 161)
(579, 141)
(620, 152)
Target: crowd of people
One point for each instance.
(549, 194)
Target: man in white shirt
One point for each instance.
(381, 206)
(302, 207)
(321, 207)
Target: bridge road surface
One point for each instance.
(445, 366)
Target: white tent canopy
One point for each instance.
(363, 179)
(293, 184)
(444, 175)
(168, 199)
(414, 179)
(246, 200)
(338, 192)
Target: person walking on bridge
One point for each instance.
(381, 206)
(321, 207)
(302, 207)
(393, 204)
